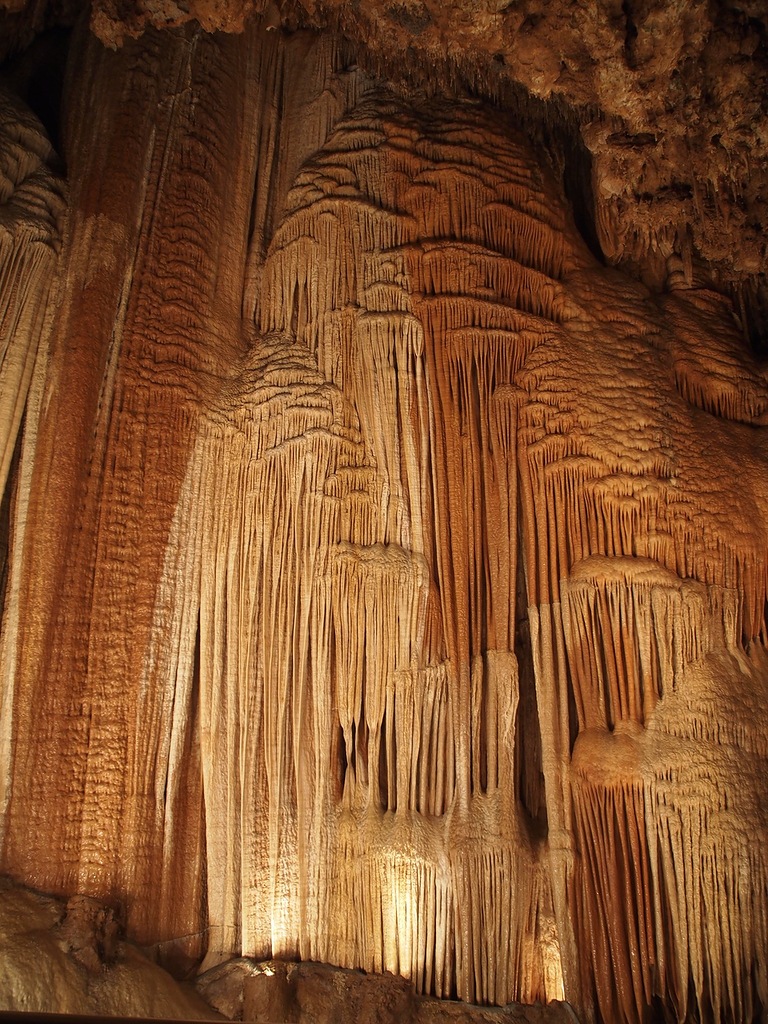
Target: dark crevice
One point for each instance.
(341, 760)
(630, 32)
(36, 76)
(6, 516)
(529, 772)
(577, 183)
(750, 300)
(384, 767)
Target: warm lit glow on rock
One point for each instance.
(387, 577)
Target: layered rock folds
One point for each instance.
(387, 578)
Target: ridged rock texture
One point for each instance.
(387, 576)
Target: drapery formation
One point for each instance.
(387, 578)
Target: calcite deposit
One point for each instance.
(387, 573)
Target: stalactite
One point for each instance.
(32, 201)
(346, 580)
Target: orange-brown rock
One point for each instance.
(387, 576)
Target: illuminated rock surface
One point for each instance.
(387, 576)
(57, 958)
(318, 994)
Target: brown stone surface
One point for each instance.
(387, 575)
(57, 958)
(276, 992)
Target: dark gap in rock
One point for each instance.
(6, 508)
(36, 76)
(384, 767)
(630, 31)
(555, 128)
(756, 317)
(529, 772)
(341, 756)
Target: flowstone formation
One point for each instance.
(387, 577)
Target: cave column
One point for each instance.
(148, 314)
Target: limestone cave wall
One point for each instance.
(385, 572)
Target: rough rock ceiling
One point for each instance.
(378, 589)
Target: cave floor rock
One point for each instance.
(277, 992)
(60, 957)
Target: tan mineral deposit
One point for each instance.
(384, 520)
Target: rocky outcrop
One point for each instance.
(281, 993)
(69, 958)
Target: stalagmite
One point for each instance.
(380, 593)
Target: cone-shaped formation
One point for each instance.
(409, 613)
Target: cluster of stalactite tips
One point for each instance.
(385, 578)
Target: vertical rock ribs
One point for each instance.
(373, 495)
